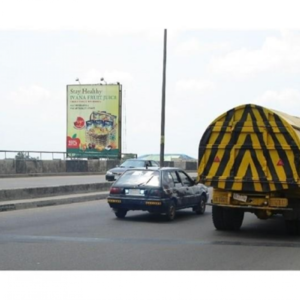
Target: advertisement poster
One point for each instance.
(93, 121)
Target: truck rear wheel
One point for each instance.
(293, 226)
(218, 219)
(227, 218)
(233, 218)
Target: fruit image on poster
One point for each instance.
(93, 126)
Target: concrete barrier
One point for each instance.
(7, 166)
(31, 193)
(53, 166)
(57, 167)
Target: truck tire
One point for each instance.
(227, 218)
(217, 217)
(233, 219)
(293, 227)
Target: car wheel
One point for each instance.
(171, 213)
(121, 213)
(200, 209)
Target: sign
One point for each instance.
(94, 121)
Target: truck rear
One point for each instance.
(250, 155)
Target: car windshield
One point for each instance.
(133, 164)
(140, 177)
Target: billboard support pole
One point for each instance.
(120, 122)
(163, 103)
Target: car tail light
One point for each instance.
(115, 190)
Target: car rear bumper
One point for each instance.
(151, 205)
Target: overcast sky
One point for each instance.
(209, 71)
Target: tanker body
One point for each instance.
(250, 155)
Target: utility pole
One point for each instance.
(163, 104)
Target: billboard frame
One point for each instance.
(119, 126)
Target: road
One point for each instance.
(87, 236)
(47, 181)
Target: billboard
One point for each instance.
(94, 121)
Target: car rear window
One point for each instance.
(133, 164)
(140, 177)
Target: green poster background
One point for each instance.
(93, 122)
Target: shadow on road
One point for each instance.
(146, 217)
(271, 230)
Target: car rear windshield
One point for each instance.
(140, 178)
(133, 164)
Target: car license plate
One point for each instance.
(135, 192)
(239, 197)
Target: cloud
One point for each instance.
(194, 46)
(27, 96)
(277, 53)
(195, 85)
(286, 100)
(35, 118)
(93, 76)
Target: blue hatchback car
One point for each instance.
(163, 191)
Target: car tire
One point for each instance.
(200, 208)
(121, 213)
(171, 212)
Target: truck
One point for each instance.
(250, 156)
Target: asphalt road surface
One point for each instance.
(47, 181)
(87, 236)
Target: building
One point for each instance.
(168, 157)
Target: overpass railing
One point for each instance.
(47, 155)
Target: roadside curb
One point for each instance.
(50, 201)
(50, 191)
(51, 174)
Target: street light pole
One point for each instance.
(163, 103)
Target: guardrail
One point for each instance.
(47, 155)
(32, 155)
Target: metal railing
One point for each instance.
(32, 155)
(45, 155)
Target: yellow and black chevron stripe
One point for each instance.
(251, 148)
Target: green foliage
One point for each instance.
(24, 156)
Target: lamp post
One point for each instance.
(102, 80)
(163, 103)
